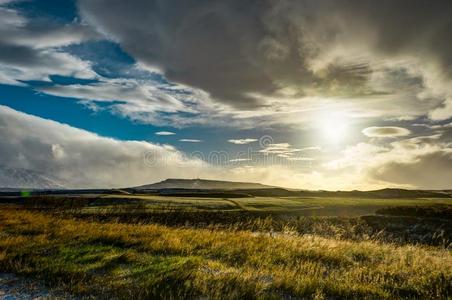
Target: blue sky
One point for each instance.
(354, 111)
(108, 60)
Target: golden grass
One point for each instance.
(141, 261)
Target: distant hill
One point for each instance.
(201, 184)
(216, 188)
(17, 178)
(402, 193)
(383, 193)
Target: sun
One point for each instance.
(334, 127)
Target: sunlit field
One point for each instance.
(143, 247)
(290, 205)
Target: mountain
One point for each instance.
(201, 184)
(17, 178)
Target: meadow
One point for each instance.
(310, 206)
(157, 247)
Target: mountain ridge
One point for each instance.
(19, 178)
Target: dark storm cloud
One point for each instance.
(430, 171)
(18, 55)
(403, 26)
(233, 49)
(207, 44)
(31, 50)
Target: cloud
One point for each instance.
(301, 158)
(145, 100)
(240, 159)
(277, 146)
(164, 133)
(32, 51)
(380, 57)
(285, 72)
(418, 162)
(242, 141)
(430, 170)
(287, 153)
(272, 60)
(214, 25)
(135, 93)
(315, 148)
(284, 149)
(18, 30)
(421, 162)
(385, 131)
(84, 159)
(30, 65)
(190, 140)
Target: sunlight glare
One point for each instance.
(334, 127)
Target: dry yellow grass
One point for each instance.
(141, 261)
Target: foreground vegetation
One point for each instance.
(111, 257)
(403, 221)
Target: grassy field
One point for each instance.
(302, 206)
(151, 247)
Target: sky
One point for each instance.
(309, 94)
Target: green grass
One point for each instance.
(139, 261)
(293, 205)
(162, 202)
(142, 246)
(329, 201)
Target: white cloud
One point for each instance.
(301, 158)
(48, 62)
(190, 140)
(164, 133)
(85, 159)
(146, 101)
(285, 149)
(242, 141)
(240, 159)
(58, 151)
(385, 131)
(139, 95)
